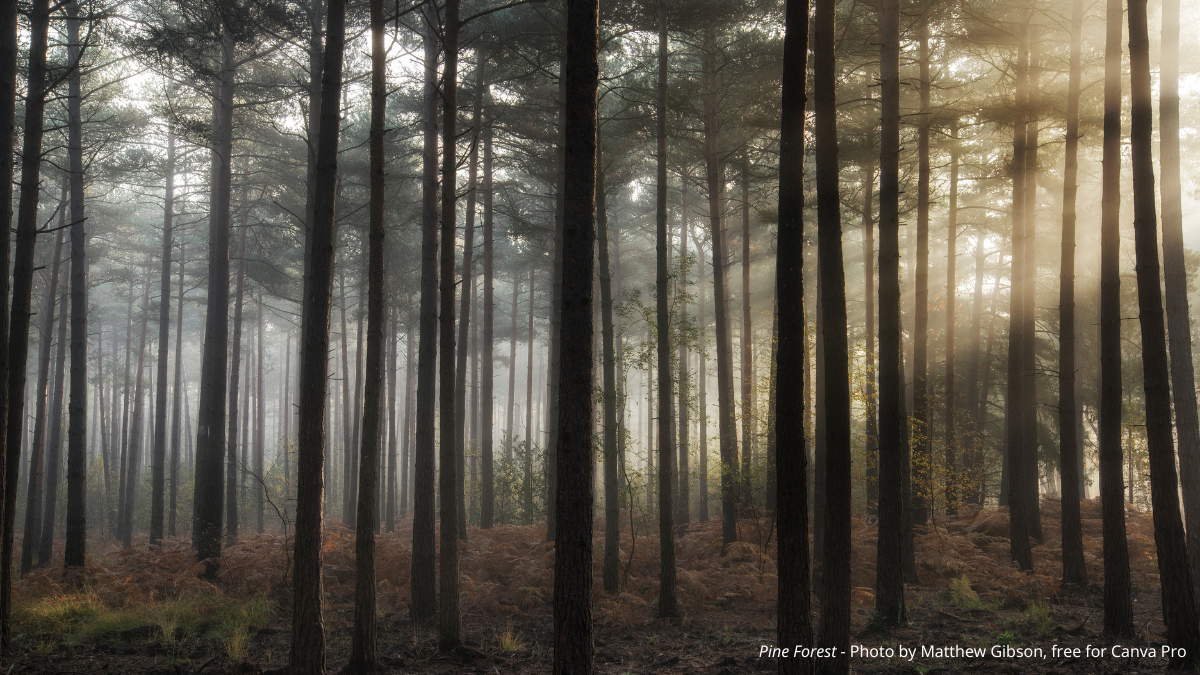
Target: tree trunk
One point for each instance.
(529, 432)
(1029, 403)
(952, 473)
(922, 427)
(424, 592)
(22, 280)
(307, 655)
(176, 430)
(487, 511)
(889, 575)
(9, 51)
(349, 509)
(235, 364)
(159, 452)
(133, 450)
(393, 338)
(702, 379)
(1118, 603)
(835, 594)
(208, 498)
(261, 415)
(1015, 394)
(406, 445)
(573, 646)
(363, 647)
(554, 347)
(683, 505)
(1183, 377)
(449, 612)
(871, 401)
(728, 416)
(37, 454)
(55, 422)
(794, 622)
(1074, 568)
(748, 418)
(974, 422)
(612, 496)
(512, 367)
(1178, 606)
(105, 450)
(76, 535)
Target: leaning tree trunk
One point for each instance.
(728, 423)
(76, 535)
(667, 603)
(1178, 606)
(1118, 603)
(208, 497)
(835, 593)
(1183, 376)
(424, 592)
(308, 631)
(573, 646)
(449, 612)
(889, 575)
(1074, 568)
(363, 647)
(22, 289)
(159, 452)
(794, 622)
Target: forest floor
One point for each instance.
(145, 612)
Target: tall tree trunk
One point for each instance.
(922, 459)
(1118, 603)
(952, 472)
(406, 445)
(1183, 376)
(573, 647)
(55, 422)
(307, 655)
(363, 647)
(1074, 568)
(728, 416)
(554, 347)
(1029, 404)
(465, 298)
(1015, 394)
(835, 593)
(683, 505)
(871, 396)
(974, 421)
(487, 511)
(261, 417)
(794, 622)
(702, 379)
(449, 612)
(9, 48)
(159, 452)
(393, 428)
(349, 509)
(133, 450)
(76, 535)
(105, 450)
(612, 496)
(208, 499)
(748, 418)
(22, 280)
(512, 367)
(37, 454)
(424, 592)
(667, 603)
(529, 432)
(889, 574)
(176, 402)
(235, 364)
(1178, 606)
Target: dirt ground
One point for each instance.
(728, 602)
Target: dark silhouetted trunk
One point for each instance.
(159, 452)
(208, 498)
(728, 416)
(235, 365)
(702, 380)
(922, 469)
(889, 567)
(512, 367)
(424, 591)
(76, 535)
(794, 622)
(449, 490)
(748, 413)
(1074, 568)
(683, 468)
(487, 509)
(612, 496)
(349, 509)
(134, 446)
(527, 490)
(871, 401)
(1118, 603)
(307, 655)
(259, 424)
(573, 646)
(1178, 606)
(22, 281)
(835, 575)
(8, 125)
(55, 422)
(176, 428)
(1029, 403)
(952, 492)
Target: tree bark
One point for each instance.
(952, 472)
(424, 592)
(208, 498)
(747, 341)
(55, 420)
(794, 622)
(702, 378)
(349, 508)
(37, 453)
(176, 403)
(261, 416)
(1178, 605)
(1074, 568)
(922, 428)
(76, 534)
(487, 510)
(9, 48)
(889, 575)
(728, 416)
(159, 452)
(683, 468)
(573, 646)
(133, 450)
(612, 497)
(529, 432)
(235, 361)
(1029, 403)
(1118, 603)
(871, 395)
(307, 655)
(22, 281)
